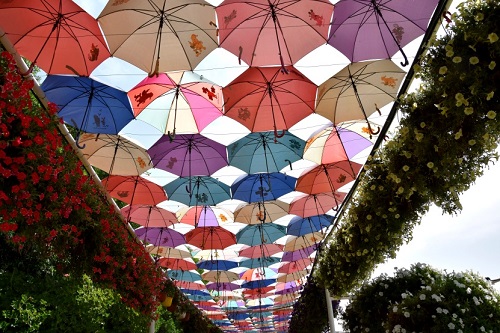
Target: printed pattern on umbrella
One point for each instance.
(188, 155)
(210, 238)
(263, 33)
(56, 35)
(88, 105)
(316, 204)
(266, 99)
(359, 90)
(260, 234)
(149, 216)
(258, 212)
(178, 102)
(263, 187)
(328, 177)
(377, 29)
(114, 154)
(334, 144)
(179, 32)
(204, 216)
(263, 152)
(198, 190)
(134, 190)
(160, 236)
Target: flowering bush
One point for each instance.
(51, 209)
(448, 134)
(422, 299)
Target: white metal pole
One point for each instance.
(152, 326)
(330, 311)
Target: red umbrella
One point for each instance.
(266, 99)
(328, 177)
(262, 250)
(263, 32)
(149, 216)
(192, 286)
(178, 264)
(210, 238)
(257, 291)
(316, 204)
(134, 190)
(56, 35)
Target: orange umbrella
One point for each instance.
(134, 190)
(316, 204)
(177, 264)
(210, 238)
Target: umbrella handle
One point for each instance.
(264, 216)
(280, 135)
(77, 139)
(28, 72)
(171, 135)
(406, 62)
(289, 163)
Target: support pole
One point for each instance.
(329, 307)
(152, 327)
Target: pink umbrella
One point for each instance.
(179, 102)
(177, 264)
(328, 177)
(262, 250)
(149, 216)
(294, 266)
(204, 216)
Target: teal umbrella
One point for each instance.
(259, 262)
(256, 234)
(198, 190)
(263, 152)
(189, 276)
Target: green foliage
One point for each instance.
(448, 134)
(49, 302)
(310, 311)
(167, 322)
(422, 299)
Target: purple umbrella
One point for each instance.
(160, 236)
(377, 29)
(222, 286)
(299, 254)
(287, 287)
(188, 155)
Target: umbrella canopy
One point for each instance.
(265, 32)
(88, 105)
(260, 234)
(316, 204)
(263, 152)
(188, 155)
(377, 29)
(301, 253)
(334, 144)
(303, 241)
(299, 226)
(179, 102)
(292, 276)
(198, 190)
(177, 264)
(258, 291)
(261, 250)
(220, 276)
(195, 286)
(265, 99)
(114, 154)
(328, 177)
(56, 35)
(263, 302)
(210, 238)
(204, 216)
(259, 262)
(149, 216)
(287, 287)
(294, 266)
(134, 190)
(160, 236)
(258, 212)
(358, 90)
(179, 32)
(258, 273)
(168, 252)
(216, 254)
(222, 286)
(255, 284)
(216, 265)
(262, 187)
(188, 276)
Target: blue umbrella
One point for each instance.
(263, 187)
(258, 283)
(180, 275)
(259, 262)
(199, 190)
(256, 234)
(219, 265)
(195, 292)
(263, 152)
(299, 226)
(199, 297)
(237, 316)
(87, 104)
